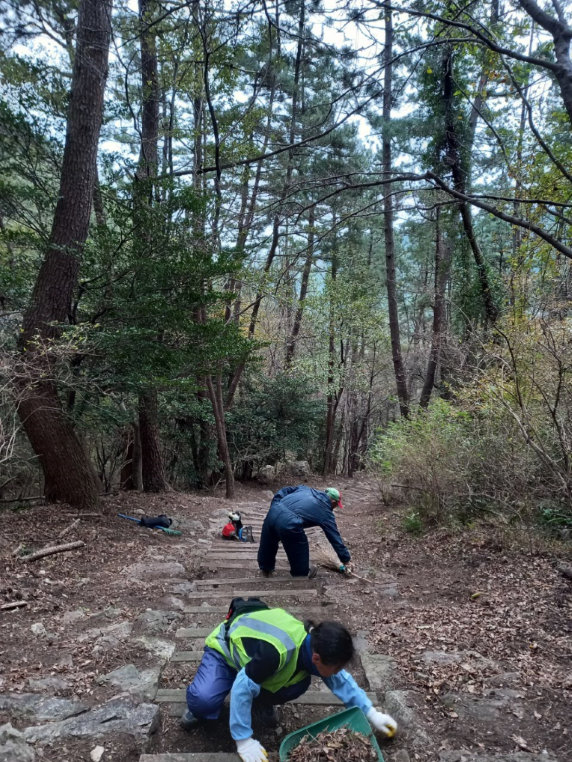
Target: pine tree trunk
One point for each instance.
(137, 458)
(332, 399)
(152, 464)
(289, 168)
(126, 481)
(68, 474)
(398, 365)
(215, 392)
(442, 264)
(457, 170)
(561, 36)
(291, 346)
(151, 460)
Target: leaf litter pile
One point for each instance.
(341, 745)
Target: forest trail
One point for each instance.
(462, 636)
(231, 570)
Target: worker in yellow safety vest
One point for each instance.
(267, 657)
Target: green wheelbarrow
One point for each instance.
(352, 718)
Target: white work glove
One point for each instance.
(382, 722)
(250, 750)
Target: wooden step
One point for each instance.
(249, 520)
(193, 632)
(250, 594)
(275, 579)
(238, 557)
(235, 547)
(236, 565)
(179, 656)
(223, 609)
(310, 698)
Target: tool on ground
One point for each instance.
(235, 530)
(326, 558)
(161, 522)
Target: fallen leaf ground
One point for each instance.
(485, 601)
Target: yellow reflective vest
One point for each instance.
(274, 626)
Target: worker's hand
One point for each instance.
(250, 750)
(382, 722)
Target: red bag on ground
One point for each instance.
(229, 531)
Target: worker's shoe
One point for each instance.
(267, 573)
(188, 721)
(313, 571)
(266, 714)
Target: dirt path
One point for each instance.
(465, 641)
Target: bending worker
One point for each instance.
(292, 510)
(267, 657)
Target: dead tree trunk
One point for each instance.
(68, 474)
(391, 280)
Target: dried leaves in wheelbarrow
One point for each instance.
(341, 745)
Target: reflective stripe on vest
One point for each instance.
(222, 645)
(264, 628)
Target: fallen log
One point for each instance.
(84, 515)
(13, 605)
(21, 499)
(68, 528)
(54, 549)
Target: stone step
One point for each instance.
(200, 757)
(310, 698)
(275, 580)
(250, 594)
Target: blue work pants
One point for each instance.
(283, 526)
(213, 682)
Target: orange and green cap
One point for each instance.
(334, 495)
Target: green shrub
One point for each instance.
(273, 417)
(412, 523)
(454, 461)
(427, 458)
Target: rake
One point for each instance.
(326, 558)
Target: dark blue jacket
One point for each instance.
(314, 509)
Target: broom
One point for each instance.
(326, 558)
